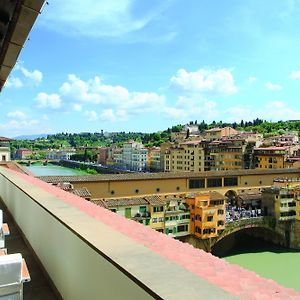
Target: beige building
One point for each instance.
(186, 157)
(154, 159)
(217, 133)
(282, 200)
(4, 149)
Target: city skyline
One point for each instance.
(126, 66)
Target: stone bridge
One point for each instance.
(284, 233)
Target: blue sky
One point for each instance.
(133, 65)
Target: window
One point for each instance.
(210, 218)
(196, 183)
(198, 218)
(112, 192)
(182, 228)
(230, 181)
(214, 182)
(127, 212)
(198, 229)
(158, 208)
(220, 211)
(177, 188)
(136, 191)
(142, 209)
(158, 189)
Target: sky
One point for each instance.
(144, 66)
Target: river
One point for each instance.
(267, 260)
(53, 170)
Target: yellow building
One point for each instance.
(187, 157)
(282, 200)
(217, 133)
(270, 157)
(157, 208)
(224, 155)
(207, 214)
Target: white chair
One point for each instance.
(11, 281)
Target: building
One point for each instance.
(5, 154)
(186, 157)
(177, 216)
(23, 153)
(270, 157)
(282, 200)
(103, 155)
(64, 154)
(224, 155)
(154, 159)
(207, 214)
(157, 207)
(135, 156)
(217, 133)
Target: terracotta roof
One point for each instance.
(154, 200)
(113, 202)
(271, 148)
(5, 139)
(252, 196)
(216, 196)
(82, 192)
(154, 176)
(99, 202)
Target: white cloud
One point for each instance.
(295, 75)
(272, 86)
(113, 115)
(17, 115)
(14, 82)
(19, 124)
(204, 82)
(35, 76)
(101, 18)
(76, 93)
(91, 115)
(52, 101)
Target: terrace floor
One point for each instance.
(39, 287)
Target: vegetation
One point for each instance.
(86, 139)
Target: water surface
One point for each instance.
(53, 170)
(268, 260)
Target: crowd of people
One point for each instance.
(234, 213)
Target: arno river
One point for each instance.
(265, 259)
(48, 170)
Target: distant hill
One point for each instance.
(30, 137)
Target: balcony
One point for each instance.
(88, 251)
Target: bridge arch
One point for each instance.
(263, 230)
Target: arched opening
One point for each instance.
(232, 197)
(246, 240)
